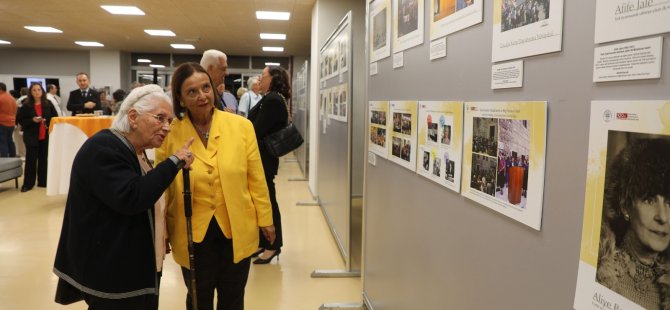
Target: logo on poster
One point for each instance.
(627, 117)
(607, 115)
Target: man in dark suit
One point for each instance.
(84, 99)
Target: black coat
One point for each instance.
(31, 130)
(76, 101)
(106, 246)
(269, 115)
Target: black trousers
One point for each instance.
(36, 164)
(142, 302)
(276, 218)
(215, 270)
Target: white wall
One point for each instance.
(105, 69)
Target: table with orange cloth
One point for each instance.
(66, 135)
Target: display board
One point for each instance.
(626, 232)
(450, 252)
(301, 113)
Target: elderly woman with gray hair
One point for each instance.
(113, 238)
(250, 98)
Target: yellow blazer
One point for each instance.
(232, 149)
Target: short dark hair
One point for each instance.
(3, 87)
(50, 87)
(183, 72)
(641, 170)
(119, 95)
(83, 73)
(280, 81)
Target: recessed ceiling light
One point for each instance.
(272, 64)
(158, 32)
(5, 42)
(273, 15)
(144, 60)
(183, 46)
(89, 43)
(272, 49)
(273, 36)
(156, 66)
(122, 10)
(43, 29)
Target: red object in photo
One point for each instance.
(515, 185)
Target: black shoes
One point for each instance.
(25, 189)
(261, 261)
(257, 252)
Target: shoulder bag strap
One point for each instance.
(290, 119)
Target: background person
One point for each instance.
(249, 100)
(230, 197)
(84, 100)
(117, 98)
(7, 122)
(34, 117)
(635, 231)
(52, 95)
(112, 243)
(271, 115)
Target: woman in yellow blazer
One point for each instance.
(230, 196)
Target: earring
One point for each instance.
(626, 217)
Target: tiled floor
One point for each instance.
(30, 225)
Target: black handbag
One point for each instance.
(285, 140)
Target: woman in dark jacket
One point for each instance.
(112, 243)
(271, 115)
(34, 117)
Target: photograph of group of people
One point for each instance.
(401, 148)
(444, 8)
(408, 16)
(379, 30)
(402, 123)
(336, 101)
(439, 150)
(500, 159)
(378, 128)
(519, 13)
(334, 58)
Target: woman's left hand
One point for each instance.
(269, 233)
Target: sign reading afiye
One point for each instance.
(635, 60)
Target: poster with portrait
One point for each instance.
(626, 232)
(440, 142)
(618, 20)
(407, 24)
(449, 16)
(504, 154)
(403, 132)
(524, 28)
(378, 141)
(380, 29)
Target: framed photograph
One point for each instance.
(378, 141)
(380, 29)
(504, 157)
(449, 16)
(403, 133)
(440, 142)
(407, 24)
(524, 28)
(625, 234)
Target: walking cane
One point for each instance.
(189, 232)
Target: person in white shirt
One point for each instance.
(52, 95)
(250, 98)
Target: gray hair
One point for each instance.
(211, 58)
(141, 99)
(252, 81)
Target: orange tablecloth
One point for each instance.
(88, 125)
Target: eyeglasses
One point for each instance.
(162, 119)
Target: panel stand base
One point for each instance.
(306, 203)
(335, 273)
(348, 306)
(297, 179)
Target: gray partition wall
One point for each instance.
(300, 107)
(426, 247)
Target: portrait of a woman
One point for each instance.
(635, 233)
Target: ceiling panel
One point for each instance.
(228, 25)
